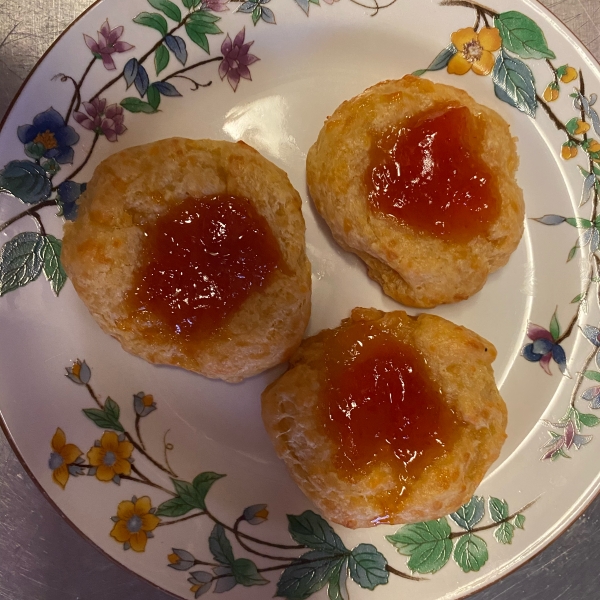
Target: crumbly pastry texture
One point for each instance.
(134, 187)
(460, 362)
(415, 269)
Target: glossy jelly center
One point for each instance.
(431, 175)
(383, 406)
(202, 259)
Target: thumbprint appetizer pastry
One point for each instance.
(192, 253)
(388, 418)
(418, 180)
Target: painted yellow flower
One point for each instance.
(134, 523)
(582, 127)
(569, 75)
(593, 146)
(63, 455)
(551, 92)
(109, 456)
(474, 50)
(569, 151)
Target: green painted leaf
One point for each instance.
(554, 327)
(220, 546)
(577, 299)
(25, 180)
(471, 552)
(168, 8)
(572, 253)
(572, 126)
(593, 375)
(191, 3)
(256, 14)
(367, 566)
(111, 408)
(514, 83)
(102, 419)
(589, 420)
(519, 521)
(186, 492)
(521, 35)
(153, 96)
(135, 105)
(338, 589)
(202, 484)
(205, 16)
(580, 223)
(468, 515)
(428, 544)
(505, 533)
(310, 573)
(410, 537)
(498, 509)
(21, 261)
(576, 419)
(199, 26)
(53, 269)
(153, 20)
(312, 530)
(246, 573)
(440, 61)
(199, 38)
(161, 60)
(430, 557)
(175, 507)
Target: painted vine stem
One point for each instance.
(510, 39)
(49, 141)
(324, 560)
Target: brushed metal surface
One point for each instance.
(43, 558)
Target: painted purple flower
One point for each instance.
(94, 109)
(592, 395)
(108, 43)
(49, 136)
(112, 125)
(559, 444)
(236, 59)
(544, 349)
(102, 119)
(215, 5)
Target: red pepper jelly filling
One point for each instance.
(382, 408)
(200, 261)
(430, 174)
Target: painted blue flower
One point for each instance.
(49, 136)
(544, 349)
(256, 514)
(182, 560)
(68, 193)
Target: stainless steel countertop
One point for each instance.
(42, 557)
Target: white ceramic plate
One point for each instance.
(186, 529)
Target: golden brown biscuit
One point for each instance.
(103, 250)
(414, 267)
(329, 466)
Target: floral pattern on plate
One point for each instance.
(498, 45)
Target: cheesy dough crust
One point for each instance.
(460, 363)
(414, 268)
(134, 187)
